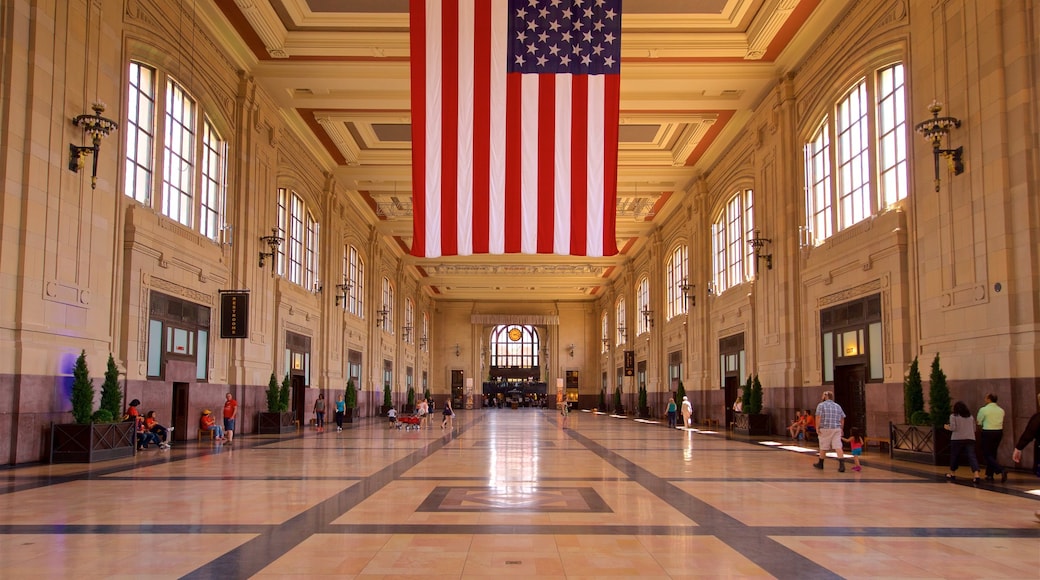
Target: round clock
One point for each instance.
(514, 334)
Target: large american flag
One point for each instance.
(514, 126)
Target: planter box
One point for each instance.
(276, 423)
(72, 443)
(348, 415)
(751, 425)
(919, 443)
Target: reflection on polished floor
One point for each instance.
(509, 493)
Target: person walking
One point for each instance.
(319, 413)
(991, 421)
(671, 411)
(687, 412)
(424, 411)
(449, 416)
(962, 438)
(230, 414)
(830, 421)
(1031, 433)
(341, 409)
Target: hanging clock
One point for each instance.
(515, 334)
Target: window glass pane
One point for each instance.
(140, 133)
(180, 341)
(179, 156)
(877, 370)
(892, 129)
(214, 170)
(155, 347)
(828, 357)
(853, 158)
(201, 361)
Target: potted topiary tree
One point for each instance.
(277, 420)
(410, 406)
(644, 409)
(388, 400)
(618, 409)
(922, 438)
(95, 436)
(350, 400)
(751, 420)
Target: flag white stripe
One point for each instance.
(562, 166)
(464, 200)
(596, 166)
(529, 164)
(497, 185)
(434, 82)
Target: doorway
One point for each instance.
(849, 392)
(299, 397)
(730, 386)
(457, 383)
(179, 412)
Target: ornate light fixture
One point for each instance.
(406, 332)
(622, 331)
(272, 241)
(934, 130)
(344, 288)
(458, 349)
(383, 315)
(689, 291)
(570, 350)
(756, 244)
(97, 128)
(648, 316)
(423, 341)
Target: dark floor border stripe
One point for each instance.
(765, 552)
(256, 554)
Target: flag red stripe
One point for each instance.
(417, 22)
(481, 128)
(611, 114)
(579, 168)
(546, 162)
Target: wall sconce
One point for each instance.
(97, 128)
(711, 288)
(423, 341)
(272, 241)
(344, 288)
(383, 314)
(689, 291)
(319, 287)
(570, 350)
(458, 349)
(623, 332)
(406, 333)
(648, 316)
(756, 244)
(606, 342)
(934, 130)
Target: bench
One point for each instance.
(881, 442)
(210, 433)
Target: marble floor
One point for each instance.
(509, 493)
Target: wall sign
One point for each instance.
(234, 314)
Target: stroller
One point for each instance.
(408, 422)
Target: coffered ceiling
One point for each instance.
(693, 72)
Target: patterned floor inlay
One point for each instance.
(514, 499)
(513, 445)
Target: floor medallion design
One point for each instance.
(514, 499)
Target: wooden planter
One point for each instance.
(919, 443)
(73, 443)
(348, 415)
(276, 423)
(751, 425)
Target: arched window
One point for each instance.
(409, 321)
(642, 305)
(188, 153)
(386, 310)
(619, 314)
(869, 160)
(515, 346)
(677, 267)
(354, 278)
(733, 259)
(298, 256)
(604, 332)
(424, 338)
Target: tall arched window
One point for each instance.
(188, 153)
(386, 309)
(642, 305)
(619, 317)
(354, 277)
(515, 346)
(733, 260)
(298, 256)
(677, 267)
(865, 170)
(424, 338)
(409, 321)
(604, 331)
